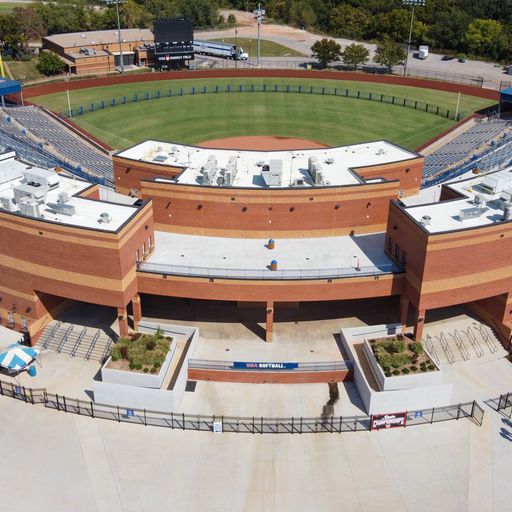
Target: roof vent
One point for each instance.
(105, 218)
(63, 197)
(507, 211)
(426, 220)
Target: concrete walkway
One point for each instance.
(101, 465)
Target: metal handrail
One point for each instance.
(69, 330)
(479, 351)
(460, 345)
(93, 344)
(431, 350)
(78, 341)
(50, 335)
(447, 350)
(267, 274)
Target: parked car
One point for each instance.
(448, 57)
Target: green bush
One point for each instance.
(138, 366)
(416, 347)
(150, 345)
(405, 371)
(396, 372)
(386, 369)
(7, 58)
(153, 370)
(413, 368)
(157, 365)
(50, 64)
(423, 368)
(26, 57)
(145, 369)
(132, 366)
(387, 374)
(431, 367)
(115, 357)
(123, 351)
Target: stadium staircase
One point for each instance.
(43, 135)
(458, 345)
(76, 340)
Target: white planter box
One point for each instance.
(142, 380)
(411, 380)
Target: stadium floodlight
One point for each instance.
(412, 3)
(111, 2)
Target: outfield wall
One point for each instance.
(52, 88)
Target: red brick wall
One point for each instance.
(294, 377)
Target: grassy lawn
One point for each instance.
(193, 119)
(267, 48)
(24, 70)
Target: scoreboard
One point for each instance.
(174, 41)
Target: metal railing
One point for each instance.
(267, 274)
(203, 364)
(252, 425)
(199, 90)
(505, 404)
(476, 81)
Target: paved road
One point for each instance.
(301, 40)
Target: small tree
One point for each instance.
(389, 54)
(231, 19)
(355, 54)
(325, 51)
(50, 64)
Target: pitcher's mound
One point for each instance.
(262, 143)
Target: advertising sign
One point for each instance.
(391, 420)
(239, 365)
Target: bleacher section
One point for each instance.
(474, 141)
(20, 127)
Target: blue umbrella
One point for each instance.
(17, 357)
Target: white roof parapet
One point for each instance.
(260, 169)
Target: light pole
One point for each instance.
(412, 3)
(110, 2)
(259, 15)
(236, 48)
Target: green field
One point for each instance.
(267, 48)
(193, 119)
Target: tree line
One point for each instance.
(481, 28)
(41, 18)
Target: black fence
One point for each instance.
(475, 81)
(198, 90)
(248, 425)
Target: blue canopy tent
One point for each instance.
(8, 87)
(505, 108)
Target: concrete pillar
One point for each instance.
(270, 321)
(404, 310)
(122, 317)
(137, 311)
(419, 323)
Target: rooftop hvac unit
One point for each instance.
(272, 174)
(507, 212)
(29, 207)
(298, 182)
(426, 220)
(319, 178)
(33, 191)
(105, 218)
(260, 163)
(312, 160)
(160, 158)
(43, 177)
(471, 213)
(479, 200)
(329, 161)
(207, 176)
(63, 197)
(174, 149)
(62, 208)
(8, 204)
(497, 182)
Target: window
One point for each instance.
(10, 318)
(137, 257)
(143, 249)
(404, 258)
(24, 323)
(397, 251)
(390, 244)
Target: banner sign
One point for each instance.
(238, 365)
(396, 419)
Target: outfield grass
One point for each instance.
(267, 48)
(193, 119)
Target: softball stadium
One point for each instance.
(253, 198)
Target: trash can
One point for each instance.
(271, 244)
(273, 265)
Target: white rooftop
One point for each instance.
(86, 211)
(335, 164)
(481, 204)
(250, 258)
(95, 37)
